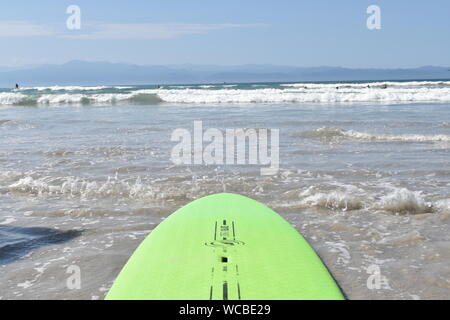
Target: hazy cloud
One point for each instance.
(113, 31)
(25, 29)
(152, 31)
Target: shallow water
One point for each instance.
(368, 184)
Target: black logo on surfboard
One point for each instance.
(225, 270)
(224, 235)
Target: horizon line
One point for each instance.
(37, 65)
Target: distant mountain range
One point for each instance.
(105, 73)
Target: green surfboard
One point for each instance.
(224, 247)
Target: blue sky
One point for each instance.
(232, 32)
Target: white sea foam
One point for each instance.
(402, 200)
(335, 134)
(11, 98)
(302, 95)
(83, 188)
(346, 199)
(387, 84)
(382, 92)
(136, 97)
(350, 198)
(80, 98)
(8, 220)
(443, 205)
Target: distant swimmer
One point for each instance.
(384, 86)
(17, 86)
(158, 87)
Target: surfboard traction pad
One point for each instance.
(224, 247)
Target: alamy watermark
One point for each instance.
(374, 19)
(73, 22)
(376, 281)
(73, 282)
(228, 147)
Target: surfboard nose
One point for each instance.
(224, 246)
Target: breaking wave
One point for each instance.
(351, 198)
(337, 134)
(27, 185)
(20, 99)
(343, 199)
(368, 85)
(328, 197)
(305, 95)
(404, 201)
(325, 93)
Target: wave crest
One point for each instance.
(404, 201)
(337, 134)
(399, 201)
(325, 93)
(20, 99)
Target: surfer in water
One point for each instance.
(17, 86)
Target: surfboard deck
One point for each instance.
(224, 247)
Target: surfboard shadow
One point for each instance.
(16, 242)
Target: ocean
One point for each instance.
(364, 174)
